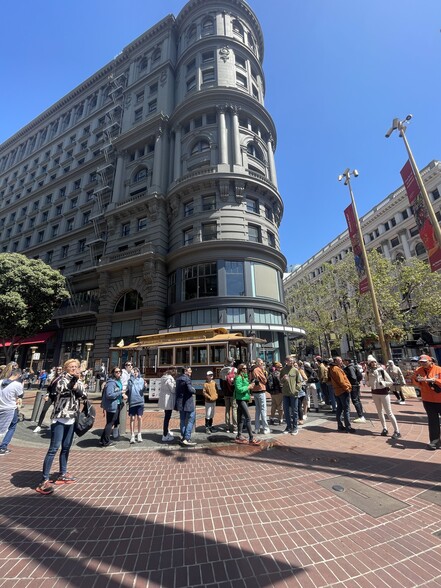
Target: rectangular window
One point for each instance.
(64, 251)
(414, 231)
(252, 205)
(235, 281)
(44, 216)
(171, 285)
(268, 317)
(191, 83)
(73, 203)
(188, 236)
(55, 229)
(69, 224)
(49, 199)
(183, 356)
(209, 202)
(77, 185)
(27, 241)
(241, 80)
(199, 355)
(208, 75)
(153, 105)
(200, 281)
(207, 57)
(271, 239)
(241, 61)
(211, 119)
(209, 231)
(81, 245)
(142, 223)
(58, 210)
(236, 315)
(191, 65)
(435, 194)
(394, 242)
(86, 217)
(139, 97)
(404, 214)
(153, 88)
(49, 256)
(188, 208)
(138, 115)
(197, 122)
(254, 234)
(125, 229)
(269, 213)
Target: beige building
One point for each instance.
(390, 228)
(152, 187)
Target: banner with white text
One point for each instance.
(356, 248)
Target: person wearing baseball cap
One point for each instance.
(210, 393)
(427, 377)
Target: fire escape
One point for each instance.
(105, 172)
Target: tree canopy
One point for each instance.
(30, 292)
(330, 307)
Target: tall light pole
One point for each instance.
(346, 175)
(33, 352)
(400, 126)
(88, 350)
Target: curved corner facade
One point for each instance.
(153, 188)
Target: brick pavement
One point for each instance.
(223, 515)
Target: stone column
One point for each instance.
(271, 162)
(405, 244)
(223, 148)
(385, 247)
(177, 155)
(236, 137)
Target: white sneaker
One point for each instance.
(360, 420)
(132, 439)
(267, 431)
(188, 443)
(305, 416)
(37, 429)
(401, 402)
(168, 437)
(139, 438)
(170, 434)
(295, 432)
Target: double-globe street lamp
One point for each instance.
(346, 175)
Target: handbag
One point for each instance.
(84, 419)
(408, 391)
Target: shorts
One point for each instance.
(137, 410)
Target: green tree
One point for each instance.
(30, 292)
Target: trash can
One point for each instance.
(38, 405)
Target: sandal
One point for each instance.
(255, 442)
(44, 488)
(240, 440)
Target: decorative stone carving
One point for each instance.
(126, 277)
(224, 190)
(224, 53)
(149, 273)
(152, 210)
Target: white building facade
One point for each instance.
(390, 228)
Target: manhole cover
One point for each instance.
(365, 497)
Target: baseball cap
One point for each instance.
(424, 358)
(209, 373)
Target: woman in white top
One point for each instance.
(380, 383)
(398, 380)
(166, 401)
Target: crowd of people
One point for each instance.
(295, 388)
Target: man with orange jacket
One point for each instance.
(342, 388)
(427, 377)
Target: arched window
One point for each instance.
(420, 249)
(238, 29)
(141, 174)
(131, 300)
(254, 150)
(207, 26)
(200, 146)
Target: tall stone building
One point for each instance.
(152, 187)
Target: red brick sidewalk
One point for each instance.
(229, 516)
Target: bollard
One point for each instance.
(123, 420)
(38, 405)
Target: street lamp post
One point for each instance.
(378, 325)
(88, 350)
(33, 351)
(400, 126)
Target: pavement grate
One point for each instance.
(364, 497)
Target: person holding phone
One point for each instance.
(427, 377)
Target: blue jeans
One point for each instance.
(11, 430)
(260, 421)
(61, 434)
(187, 418)
(343, 407)
(290, 408)
(332, 400)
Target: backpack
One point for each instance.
(84, 419)
(230, 379)
(358, 373)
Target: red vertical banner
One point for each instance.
(356, 248)
(422, 219)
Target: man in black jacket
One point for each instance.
(350, 370)
(186, 405)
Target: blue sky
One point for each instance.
(337, 73)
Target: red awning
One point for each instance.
(33, 339)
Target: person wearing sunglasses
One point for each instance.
(427, 377)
